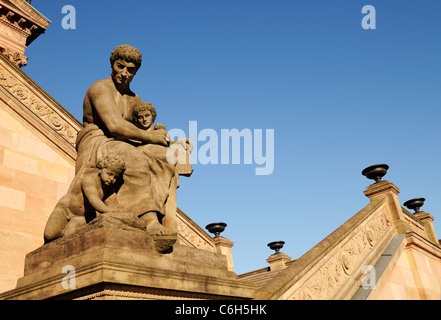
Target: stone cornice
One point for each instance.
(27, 11)
(16, 27)
(20, 25)
(415, 240)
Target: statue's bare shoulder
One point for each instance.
(96, 90)
(100, 87)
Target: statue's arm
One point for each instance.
(90, 190)
(101, 97)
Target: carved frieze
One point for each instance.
(414, 225)
(190, 236)
(344, 260)
(41, 108)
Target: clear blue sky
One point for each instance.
(339, 98)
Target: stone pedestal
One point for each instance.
(278, 261)
(223, 246)
(381, 188)
(427, 219)
(108, 259)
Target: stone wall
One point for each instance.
(415, 275)
(33, 176)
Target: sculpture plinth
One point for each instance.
(112, 260)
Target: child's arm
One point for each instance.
(91, 192)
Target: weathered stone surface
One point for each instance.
(108, 253)
(118, 124)
(36, 166)
(20, 25)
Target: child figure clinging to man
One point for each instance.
(164, 166)
(84, 201)
(144, 115)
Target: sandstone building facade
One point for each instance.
(382, 252)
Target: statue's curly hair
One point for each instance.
(144, 107)
(127, 53)
(111, 162)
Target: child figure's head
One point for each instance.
(110, 169)
(144, 115)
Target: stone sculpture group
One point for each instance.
(123, 166)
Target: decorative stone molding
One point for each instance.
(412, 223)
(381, 188)
(113, 291)
(39, 103)
(16, 57)
(191, 235)
(344, 261)
(31, 12)
(122, 295)
(20, 25)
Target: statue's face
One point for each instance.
(145, 119)
(123, 72)
(109, 176)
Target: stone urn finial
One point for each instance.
(415, 204)
(375, 172)
(216, 228)
(276, 245)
